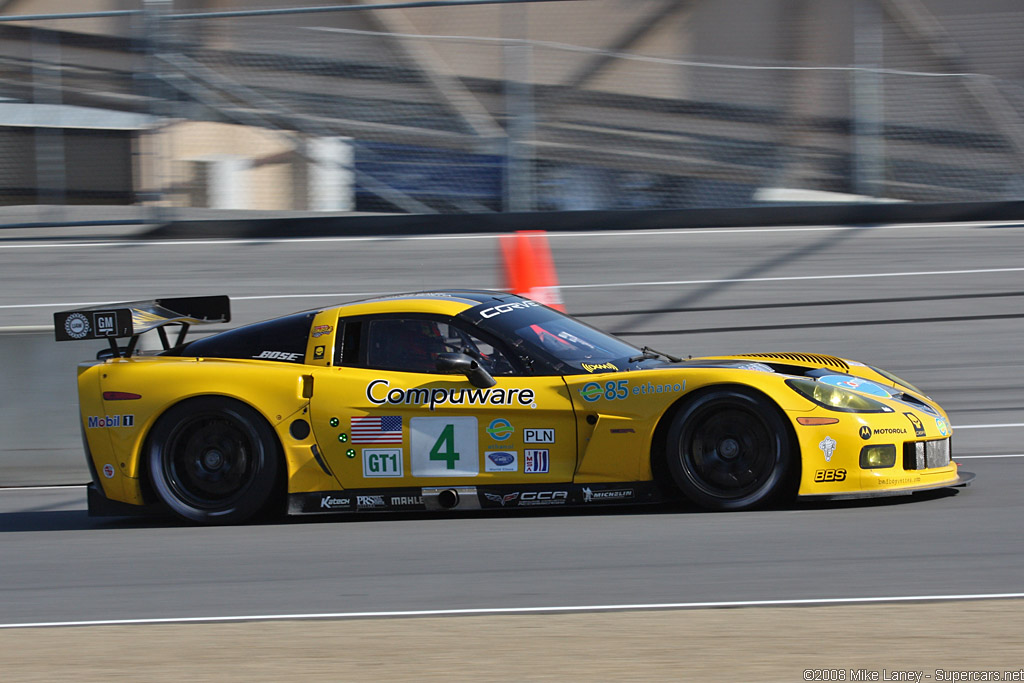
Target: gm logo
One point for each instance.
(500, 429)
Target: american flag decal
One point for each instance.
(386, 429)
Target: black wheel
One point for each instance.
(730, 450)
(213, 460)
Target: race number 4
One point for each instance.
(444, 447)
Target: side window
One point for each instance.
(492, 359)
(407, 344)
(413, 345)
(346, 344)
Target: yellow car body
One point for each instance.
(324, 411)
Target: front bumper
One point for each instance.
(963, 479)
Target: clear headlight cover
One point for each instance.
(836, 398)
(893, 378)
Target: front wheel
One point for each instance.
(730, 450)
(213, 460)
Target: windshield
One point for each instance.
(563, 344)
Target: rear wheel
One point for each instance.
(729, 449)
(213, 460)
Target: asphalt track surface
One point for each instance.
(940, 305)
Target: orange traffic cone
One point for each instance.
(529, 268)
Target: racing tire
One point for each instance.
(213, 460)
(729, 449)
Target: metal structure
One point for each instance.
(456, 106)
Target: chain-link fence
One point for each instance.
(513, 106)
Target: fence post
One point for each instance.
(519, 110)
(868, 100)
(153, 26)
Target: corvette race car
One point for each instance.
(468, 400)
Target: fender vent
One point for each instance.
(805, 358)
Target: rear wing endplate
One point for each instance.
(134, 318)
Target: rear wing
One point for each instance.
(134, 318)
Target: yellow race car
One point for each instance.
(468, 400)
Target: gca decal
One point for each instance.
(378, 393)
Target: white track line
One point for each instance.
(992, 426)
(53, 487)
(660, 283)
(526, 610)
(791, 278)
(978, 457)
(491, 236)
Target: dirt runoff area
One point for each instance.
(946, 641)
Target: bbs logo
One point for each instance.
(830, 475)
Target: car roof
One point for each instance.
(447, 302)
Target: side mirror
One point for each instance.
(460, 363)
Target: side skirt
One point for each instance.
(443, 498)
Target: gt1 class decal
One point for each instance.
(536, 461)
(591, 367)
(101, 421)
(500, 461)
(856, 384)
(379, 393)
(77, 326)
(621, 389)
(382, 462)
(500, 429)
(318, 352)
(942, 426)
(279, 355)
(534, 435)
(828, 447)
(444, 447)
(918, 425)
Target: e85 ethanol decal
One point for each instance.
(617, 390)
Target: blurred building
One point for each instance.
(513, 106)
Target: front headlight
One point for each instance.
(836, 398)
